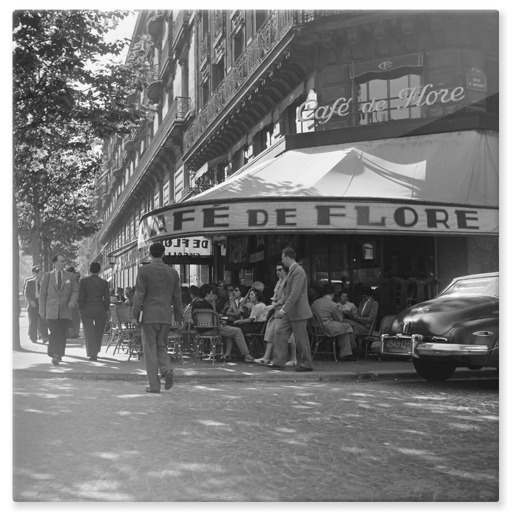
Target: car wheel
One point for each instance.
(434, 370)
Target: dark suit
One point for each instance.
(93, 303)
(296, 314)
(35, 322)
(157, 289)
(55, 307)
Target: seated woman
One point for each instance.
(232, 308)
(258, 314)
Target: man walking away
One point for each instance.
(93, 303)
(59, 294)
(157, 290)
(295, 313)
(31, 291)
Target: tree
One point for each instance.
(66, 99)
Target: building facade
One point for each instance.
(367, 140)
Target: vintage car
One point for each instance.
(457, 328)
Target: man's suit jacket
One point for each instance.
(29, 290)
(157, 289)
(331, 316)
(56, 304)
(367, 314)
(93, 296)
(295, 288)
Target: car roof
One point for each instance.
(470, 276)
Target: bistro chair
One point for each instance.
(113, 333)
(363, 340)
(374, 337)
(207, 327)
(318, 336)
(174, 340)
(255, 340)
(129, 339)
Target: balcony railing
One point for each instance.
(271, 33)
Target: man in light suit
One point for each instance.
(331, 316)
(366, 313)
(157, 290)
(93, 303)
(31, 291)
(294, 313)
(59, 294)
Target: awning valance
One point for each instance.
(439, 183)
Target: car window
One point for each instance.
(474, 286)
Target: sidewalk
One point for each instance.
(33, 361)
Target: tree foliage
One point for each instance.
(67, 97)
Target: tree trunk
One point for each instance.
(36, 238)
(16, 344)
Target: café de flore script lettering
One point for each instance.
(412, 97)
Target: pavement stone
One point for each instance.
(33, 361)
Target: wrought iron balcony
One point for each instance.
(271, 33)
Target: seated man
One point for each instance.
(332, 320)
(204, 302)
(366, 313)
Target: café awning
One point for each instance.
(445, 183)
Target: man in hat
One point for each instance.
(31, 291)
(59, 294)
(158, 297)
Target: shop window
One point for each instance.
(263, 139)
(378, 99)
(305, 116)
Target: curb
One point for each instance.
(261, 377)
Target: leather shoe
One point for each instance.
(149, 390)
(303, 369)
(93, 358)
(169, 379)
(55, 361)
(274, 366)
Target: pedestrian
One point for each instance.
(277, 301)
(74, 328)
(31, 291)
(157, 290)
(59, 294)
(93, 303)
(294, 313)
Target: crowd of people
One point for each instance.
(280, 313)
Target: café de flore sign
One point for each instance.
(314, 216)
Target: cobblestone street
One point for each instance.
(87, 440)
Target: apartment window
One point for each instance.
(261, 16)
(238, 45)
(205, 23)
(165, 194)
(217, 74)
(205, 92)
(378, 99)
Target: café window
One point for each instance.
(384, 92)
